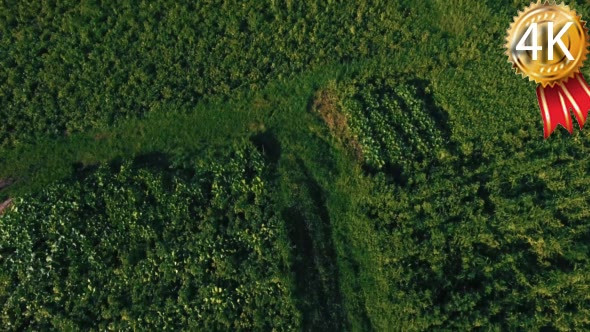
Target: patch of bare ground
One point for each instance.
(5, 205)
(325, 104)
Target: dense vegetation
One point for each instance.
(131, 247)
(364, 165)
(71, 65)
(464, 244)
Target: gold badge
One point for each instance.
(548, 43)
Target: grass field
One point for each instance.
(369, 165)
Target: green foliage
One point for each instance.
(465, 243)
(130, 247)
(69, 66)
(314, 264)
(394, 127)
(458, 215)
(460, 257)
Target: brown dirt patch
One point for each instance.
(325, 104)
(5, 205)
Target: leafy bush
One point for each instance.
(395, 127)
(467, 241)
(130, 247)
(462, 250)
(460, 217)
(68, 66)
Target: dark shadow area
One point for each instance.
(314, 267)
(395, 173)
(4, 183)
(82, 171)
(440, 117)
(157, 160)
(527, 186)
(268, 144)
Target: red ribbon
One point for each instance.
(555, 103)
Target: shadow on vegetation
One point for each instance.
(309, 229)
(440, 117)
(157, 161)
(4, 183)
(82, 171)
(396, 172)
(268, 144)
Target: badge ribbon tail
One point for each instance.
(557, 101)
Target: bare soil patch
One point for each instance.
(5, 205)
(326, 105)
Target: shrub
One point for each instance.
(395, 127)
(130, 247)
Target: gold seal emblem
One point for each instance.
(548, 43)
